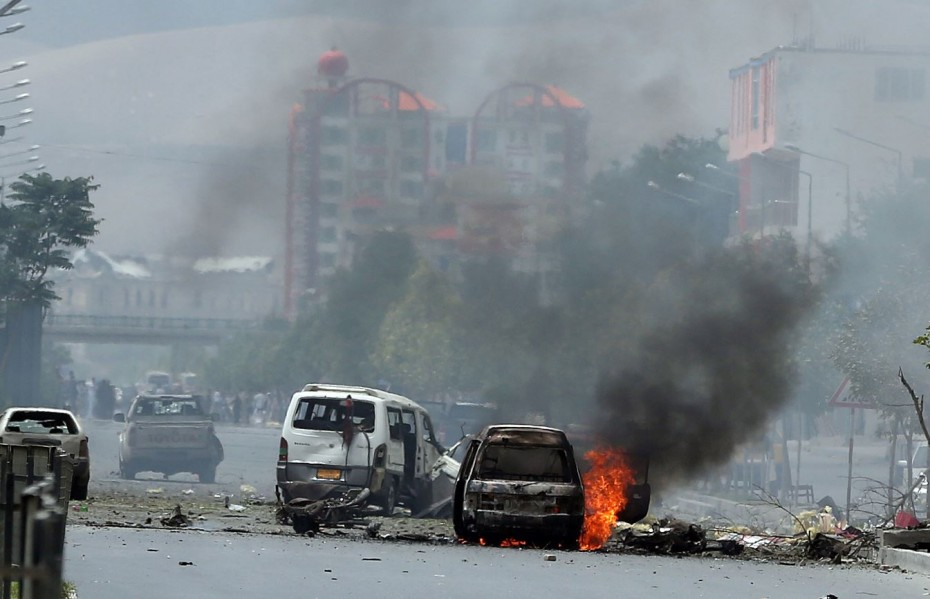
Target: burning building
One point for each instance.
(368, 153)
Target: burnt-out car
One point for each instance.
(519, 482)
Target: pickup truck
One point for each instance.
(168, 434)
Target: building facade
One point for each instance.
(368, 154)
(816, 130)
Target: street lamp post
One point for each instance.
(17, 98)
(845, 166)
(659, 188)
(14, 67)
(898, 153)
(810, 200)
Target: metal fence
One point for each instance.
(35, 485)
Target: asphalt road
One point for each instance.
(110, 563)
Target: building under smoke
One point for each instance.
(813, 130)
(367, 154)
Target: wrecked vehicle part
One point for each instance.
(307, 515)
(336, 438)
(519, 482)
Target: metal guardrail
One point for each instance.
(35, 485)
(158, 323)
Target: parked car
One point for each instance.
(337, 438)
(519, 482)
(168, 434)
(53, 427)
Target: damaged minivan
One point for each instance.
(519, 482)
(337, 439)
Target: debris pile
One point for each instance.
(177, 519)
(670, 536)
(307, 516)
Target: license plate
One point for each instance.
(329, 474)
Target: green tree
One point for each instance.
(417, 350)
(44, 219)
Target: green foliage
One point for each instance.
(45, 217)
(885, 281)
(416, 348)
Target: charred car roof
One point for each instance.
(523, 434)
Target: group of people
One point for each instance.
(93, 398)
(247, 409)
(89, 398)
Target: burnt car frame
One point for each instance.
(519, 482)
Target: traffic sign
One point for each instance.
(843, 397)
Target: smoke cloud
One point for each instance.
(709, 365)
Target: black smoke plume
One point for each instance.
(710, 362)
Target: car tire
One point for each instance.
(207, 474)
(388, 499)
(424, 498)
(126, 471)
(79, 490)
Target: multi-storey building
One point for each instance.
(815, 130)
(369, 153)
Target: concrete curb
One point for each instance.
(906, 559)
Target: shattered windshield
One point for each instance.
(167, 407)
(533, 464)
(329, 414)
(44, 423)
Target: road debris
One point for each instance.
(177, 519)
(307, 516)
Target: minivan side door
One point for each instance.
(429, 447)
(395, 449)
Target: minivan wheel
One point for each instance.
(389, 495)
(207, 473)
(126, 471)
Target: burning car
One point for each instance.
(519, 482)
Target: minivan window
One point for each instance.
(524, 463)
(329, 414)
(394, 424)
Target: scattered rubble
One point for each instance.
(307, 516)
(177, 519)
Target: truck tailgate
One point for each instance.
(177, 435)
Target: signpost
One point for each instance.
(843, 397)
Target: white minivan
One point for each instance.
(337, 438)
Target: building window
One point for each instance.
(331, 187)
(922, 168)
(331, 162)
(411, 164)
(331, 135)
(164, 299)
(329, 209)
(555, 142)
(411, 189)
(327, 260)
(487, 140)
(893, 84)
(756, 93)
(371, 186)
(411, 138)
(327, 234)
(554, 169)
(372, 136)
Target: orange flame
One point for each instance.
(503, 543)
(605, 487)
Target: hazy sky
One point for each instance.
(179, 108)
